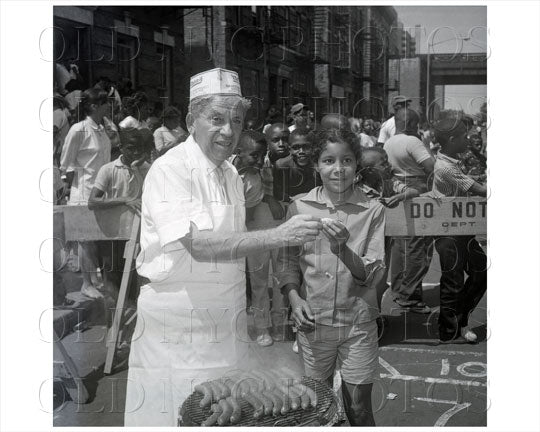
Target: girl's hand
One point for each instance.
(337, 234)
(302, 315)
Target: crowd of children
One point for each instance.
(335, 170)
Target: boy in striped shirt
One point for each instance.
(458, 254)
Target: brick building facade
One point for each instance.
(141, 44)
(335, 59)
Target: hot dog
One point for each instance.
(267, 402)
(234, 387)
(244, 386)
(225, 416)
(225, 392)
(237, 410)
(206, 391)
(258, 407)
(255, 382)
(216, 392)
(299, 387)
(293, 396)
(288, 390)
(211, 421)
(276, 401)
(285, 400)
(307, 390)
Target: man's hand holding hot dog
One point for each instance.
(300, 229)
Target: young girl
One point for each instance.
(331, 282)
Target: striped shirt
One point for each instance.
(388, 188)
(449, 178)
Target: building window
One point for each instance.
(165, 88)
(127, 53)
(71, 44)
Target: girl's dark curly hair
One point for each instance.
(322, 137)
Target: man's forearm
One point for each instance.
(207, 246)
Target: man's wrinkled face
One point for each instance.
(218, 128)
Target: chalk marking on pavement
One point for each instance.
(388, 367)
(431, 351)
(462, 369)
(445, 367)
(434, 380)
(443, 419)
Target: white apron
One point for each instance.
(190, 328)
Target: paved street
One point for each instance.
(421, 383)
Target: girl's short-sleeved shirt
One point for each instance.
(334, 295)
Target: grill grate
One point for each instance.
(325, 414)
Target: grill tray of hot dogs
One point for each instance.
(260, 399)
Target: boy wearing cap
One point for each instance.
(299, 114)
(388, 128)
(191, 324)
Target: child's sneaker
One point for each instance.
(264, 339)
(468, 335)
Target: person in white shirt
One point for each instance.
(191, 312)
(412, 164)
(86, 149)
(366, 139)
(137, 111)
(170, 134)
(300, 115)
(388, 128)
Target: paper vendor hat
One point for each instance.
(216, 81)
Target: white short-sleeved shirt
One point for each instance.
(191, 319)
(119, 180)
(184, 187)
(60, 121)
(388, 130)
(367, 141)
(405, 154)
(86, 149)
(131, 122)
(163, 136)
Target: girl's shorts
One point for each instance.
(353, 348)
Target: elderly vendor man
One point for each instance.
(191, 323)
